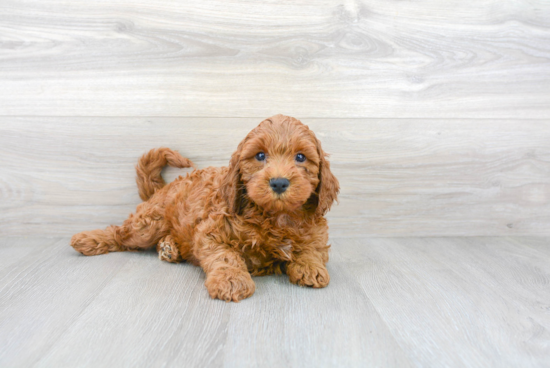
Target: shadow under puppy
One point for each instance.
(263, 214)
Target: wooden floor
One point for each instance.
(393, 302)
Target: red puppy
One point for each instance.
(263, 214)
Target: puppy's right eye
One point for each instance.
(260, 156)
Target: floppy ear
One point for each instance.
(233, 189)
(328, 188)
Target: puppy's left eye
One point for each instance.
(300, 157)
(260, 156)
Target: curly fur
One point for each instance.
(228, 220)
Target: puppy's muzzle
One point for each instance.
(279, 185)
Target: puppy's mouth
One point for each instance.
(277, 194)
(284, 202)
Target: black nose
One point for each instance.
(279, 185)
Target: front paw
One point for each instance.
(308, 274)
(230, 284)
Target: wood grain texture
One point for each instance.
(455, 301)
(331, 58)
(159, 314)
(398, 177)
(20, 249)
(294, 327)
(152, 314)
(43, 294)
(392, 302)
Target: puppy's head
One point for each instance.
(281, 167)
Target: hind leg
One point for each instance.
(168, 250)
(91, 243)
(139, 231)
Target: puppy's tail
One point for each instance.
(150, 166)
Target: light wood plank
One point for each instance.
(452, 302)
(539, 244)
(158, 314)
(19, 249)
(331, 58)
(296, 327)
(510, 270)
(152, 314)
(43, 295)
(398, 177)
(442, 315)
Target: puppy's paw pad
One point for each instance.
(305, 274)
(168, 252)
(230, 285)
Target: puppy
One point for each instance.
(264, 214)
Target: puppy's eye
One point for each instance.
(300, 157)
(260, 156)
